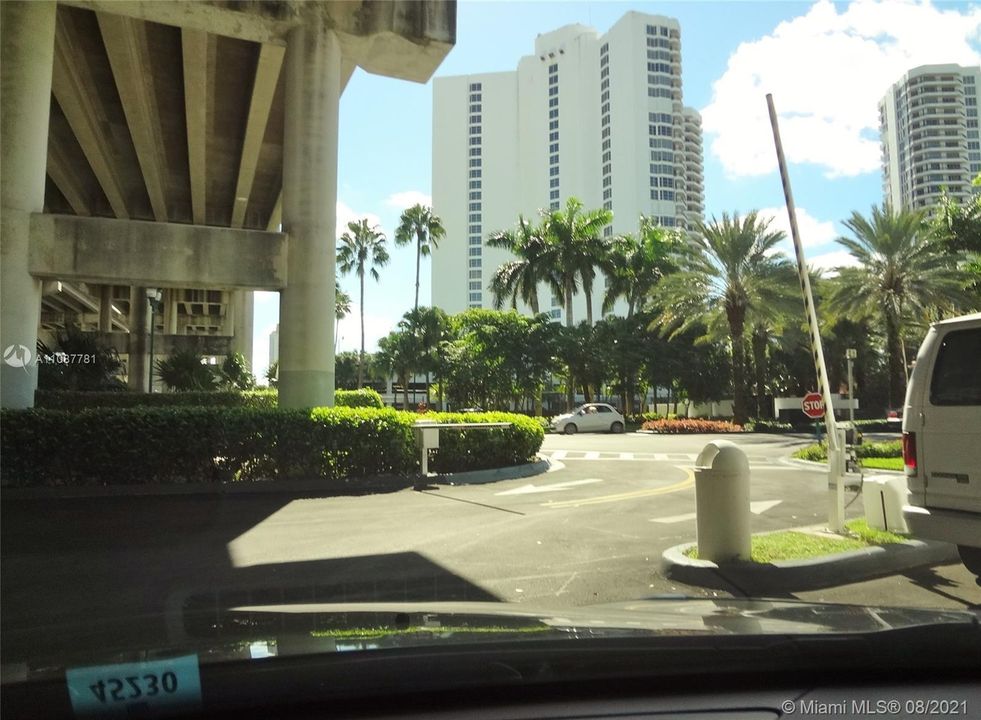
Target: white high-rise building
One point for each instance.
(596, 117)
(929, 131)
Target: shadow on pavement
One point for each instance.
(148, 572)
(929, 579)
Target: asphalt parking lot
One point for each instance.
(588, 531)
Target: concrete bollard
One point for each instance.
(722, 503)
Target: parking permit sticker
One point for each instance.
(140, 689)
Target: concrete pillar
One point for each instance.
(105, 308)
(170, 312)
(139, 340)
(306, 306)
(243, 302)
(26, 56)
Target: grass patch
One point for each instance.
(794, 545)
(877, 451)
(883, 463)
(871, 536)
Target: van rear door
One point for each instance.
(949, 437)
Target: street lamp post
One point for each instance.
(153, 297)
(850, 355)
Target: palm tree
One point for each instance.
(342, 308)
(342, 303)
(431, 328)
(902, 269)
(397, 352)
(362, 250)
(573, 249)
(727, 273)
(639, 264)
(420, 225)
(518, 279)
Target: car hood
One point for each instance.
(257, 631)
(561, 418)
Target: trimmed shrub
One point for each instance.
(690, 425)
(640, 418)
(768, 426)
(69, 400)
(880, 425)
(148, 445)
(477, 449)
(365, 397)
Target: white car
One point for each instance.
(592, 417)
(942, 438)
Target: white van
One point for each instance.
(942, 438)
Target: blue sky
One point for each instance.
(827, 65)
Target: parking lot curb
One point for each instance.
(481, 477)
(781, 576)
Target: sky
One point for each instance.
(827, 65)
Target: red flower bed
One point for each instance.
(691, 425)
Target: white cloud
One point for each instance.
(827, 70)
(345, 215)
(403, 200)
(813, 232)
(376, 326)
(831, 260)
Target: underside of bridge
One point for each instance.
(162, 145)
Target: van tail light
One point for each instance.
(909, 451)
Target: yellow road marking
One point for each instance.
(682, 485)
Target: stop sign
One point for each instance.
(813, 405)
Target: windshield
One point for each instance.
(326, 328)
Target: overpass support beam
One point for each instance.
(26, 60)
(306, 304)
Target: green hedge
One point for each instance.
(366, 397)
(477, 449)
(75, 400)
(69, 400)
(124, 446)
(768, 426)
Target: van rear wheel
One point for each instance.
(971, 557)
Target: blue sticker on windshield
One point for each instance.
(140, 689)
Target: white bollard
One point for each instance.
(722, 503)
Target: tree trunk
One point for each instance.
(568, 304)
(738, 372)
(418, 261)
(538, 401)
(760, 366)
(427, 389)
(534, 302)
(897, 373)
(361, 354)
(589, 305)
(405, 391)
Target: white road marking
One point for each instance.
(760, 461)
(674, 518)
(757, 508)
(556, 487)
(566, 584)
(761, 506)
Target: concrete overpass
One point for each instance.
(163, 144)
